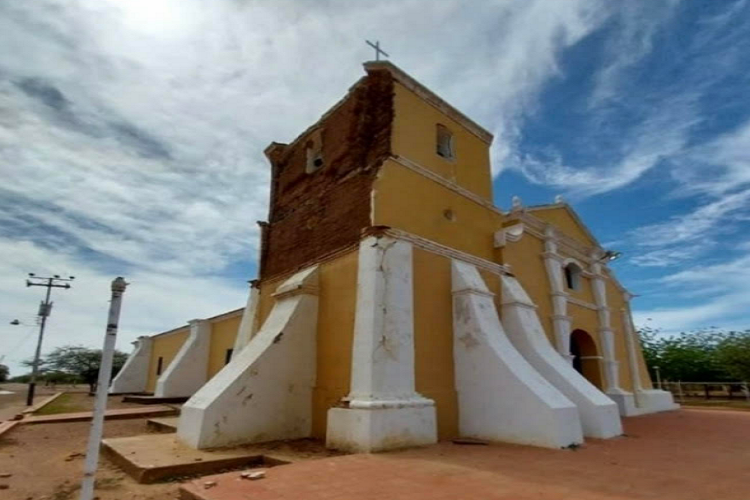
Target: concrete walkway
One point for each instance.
(681, 455)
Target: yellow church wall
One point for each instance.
(223, 335)
(527, 265)
(414, 136)
(337, 304)
(562, 220)
(433, 338)
(166, 347)
(407, 200)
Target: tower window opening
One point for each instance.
(445, 142)
(315, 153)
(573, 276)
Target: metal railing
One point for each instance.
(725, 391)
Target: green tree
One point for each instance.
(4, 372)
(80, 362)
(689, 356)
(733, 354)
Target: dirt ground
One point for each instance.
(46, 463)
(682, 455)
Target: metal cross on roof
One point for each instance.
(377, 48)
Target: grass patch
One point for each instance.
(67, 403)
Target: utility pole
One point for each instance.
(44, 310)
(102, 388)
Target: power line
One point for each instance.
(45, 308)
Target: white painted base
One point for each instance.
(265, 392)
(377, 429)
(188, 370)
(599, 415)
(384, 410)
(500, 395)
(648, 401)
(133, 376)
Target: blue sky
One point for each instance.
(131, 138)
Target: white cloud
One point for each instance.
(718, 295)
(153, 302)
(131, 133)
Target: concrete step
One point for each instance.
(156, 457)
(163, 425)
(116, 414)
(152, 400)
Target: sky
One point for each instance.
(132, 131)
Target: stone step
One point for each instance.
(153, 400)
(115, 414)
(163, 425)
(155, 457)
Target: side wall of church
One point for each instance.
(315, 213)
(166, 347)
(223, 334)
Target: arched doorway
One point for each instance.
(585, 357)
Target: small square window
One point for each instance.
(314, 153)
(445, 142)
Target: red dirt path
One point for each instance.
(682, 455)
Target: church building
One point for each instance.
(396, 305)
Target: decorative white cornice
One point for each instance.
(547, 232)
(583, 303)
(437, 248)
(426, 172)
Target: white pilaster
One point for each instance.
(560, 320)
(133, 376)
(383, 410)
(641, 401)
(249, 323)
(606, 335)
(187, 371)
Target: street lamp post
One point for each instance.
(44, 310)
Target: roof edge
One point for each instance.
(431, 97)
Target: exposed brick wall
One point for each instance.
(312, 215)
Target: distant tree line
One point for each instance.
(708, 355)
(72, 365)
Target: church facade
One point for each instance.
(396, 305)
